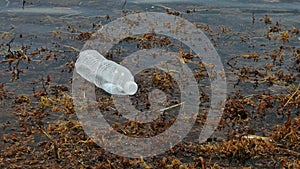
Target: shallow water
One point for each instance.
(39, 19)
(259, 4)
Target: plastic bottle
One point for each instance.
(105, 74)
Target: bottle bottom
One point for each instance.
(130, 88)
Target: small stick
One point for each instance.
(171, 107)
(291, 96)
(56, 151)
(124, 4)
(73, 48)
(23, 4)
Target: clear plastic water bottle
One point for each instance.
(106, 74)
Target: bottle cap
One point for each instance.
(130, 87)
